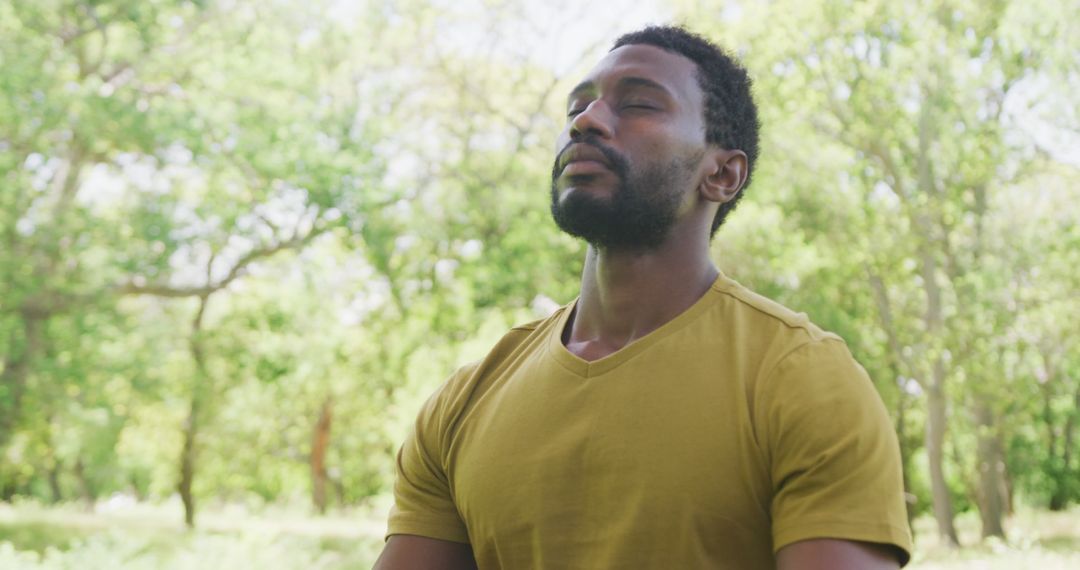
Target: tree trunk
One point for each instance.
(935, 442)
(320, 441)
(14, 372)
(138, 488)
(1070, 436)
(905, 458)
(1062, 493)
(898, 365)
(55, 465)
(1010, 504)
(54, 481)
(991, 467)
(935, 393)
(187, 462)
(339, 488)
(189, 452)
(86, 489)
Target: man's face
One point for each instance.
(631, 150)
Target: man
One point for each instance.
(669, 418)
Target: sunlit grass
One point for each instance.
(1036, 539)
(146, 536)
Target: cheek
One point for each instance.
(656, 153)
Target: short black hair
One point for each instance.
(731, 119)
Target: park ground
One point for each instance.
(123, 535)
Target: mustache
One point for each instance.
(616, 160)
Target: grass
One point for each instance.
(137, 537)
(1036, 539)
(143, 536)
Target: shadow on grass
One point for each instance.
(1063, 543)
(38, 536)
(164, 546)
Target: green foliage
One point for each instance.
(907, 200)
(240, 215)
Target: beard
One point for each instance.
(637, 216)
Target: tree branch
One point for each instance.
(238, 270)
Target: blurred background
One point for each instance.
(241, 241)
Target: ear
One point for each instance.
(725, 174)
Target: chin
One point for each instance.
(567, 191)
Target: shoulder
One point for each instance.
(795, 366)
(470, 381)
(519, 340)
(818, 390)
(761, 333)
(832, 451)
(758, 311)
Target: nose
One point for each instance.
(595, 119)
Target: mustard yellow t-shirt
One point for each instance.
(729, 432)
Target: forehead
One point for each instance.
(675, 72)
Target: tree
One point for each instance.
(120, 99)
(905, 108)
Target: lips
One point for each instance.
(578, 167)
(583, 159)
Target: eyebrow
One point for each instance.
(623, 83)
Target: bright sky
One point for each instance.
(555, 34)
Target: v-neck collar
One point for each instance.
(591, 369)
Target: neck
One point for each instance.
(625, 295)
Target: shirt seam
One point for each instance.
(443, 528)
(806, 327)
(834, 521)
(832, 527)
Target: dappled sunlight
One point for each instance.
(242, 242)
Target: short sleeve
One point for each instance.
(834, 455)
(423, 503)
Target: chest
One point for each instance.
(614, 457)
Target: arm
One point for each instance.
(835, 463)
(425, 530)
(408, 552)
(833, 554)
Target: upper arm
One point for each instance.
(407, 552)
(834, 457)
(423, 499)
(832, 554)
